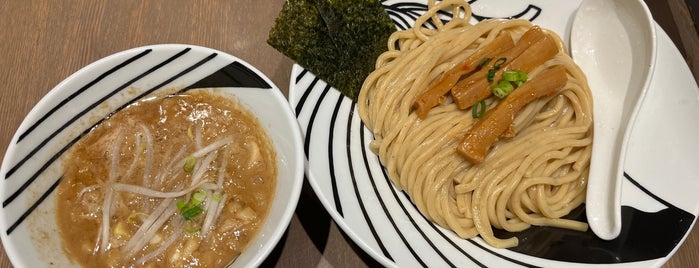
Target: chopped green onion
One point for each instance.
(192, 208)
(189, 163)
(499, 63)
(511, 76)
(496, 67)
(514, 76)
(181, 204)
(192, 227)
(483, 62)
(478, 109)
(191, 231)
(505, 86)
(192, 212)
(216, 197)
(502, 89)
(522, 76)
(198, 197)
(491, 75)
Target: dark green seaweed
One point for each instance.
(337, 40)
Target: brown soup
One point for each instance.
(174, 181)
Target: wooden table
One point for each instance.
(43, 42)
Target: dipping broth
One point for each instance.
(182, 180)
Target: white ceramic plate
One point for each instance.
(659, 197)
(32, 167)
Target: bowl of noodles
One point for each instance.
(165, 155)
(470, 143)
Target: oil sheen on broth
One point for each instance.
(184, 180)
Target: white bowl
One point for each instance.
(32, 165)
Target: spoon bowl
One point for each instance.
(614, 43)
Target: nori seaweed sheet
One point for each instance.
(337, 40)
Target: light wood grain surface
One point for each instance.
(42, 42)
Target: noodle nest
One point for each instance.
(534, 178)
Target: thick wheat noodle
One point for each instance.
(424, 150)
(433, 192)
(534, 178)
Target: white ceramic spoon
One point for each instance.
(614, 42)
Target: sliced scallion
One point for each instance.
(514, 76)
(502, 89)
(193, 207)
(522, 76)
(189, 163)
(181, 204)
(198, 197)
(496, 66)
(216, 197)
(510, 76)
(499, 63)
(192, 212)
(491, 75)
(483, 62)
(478, 109)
